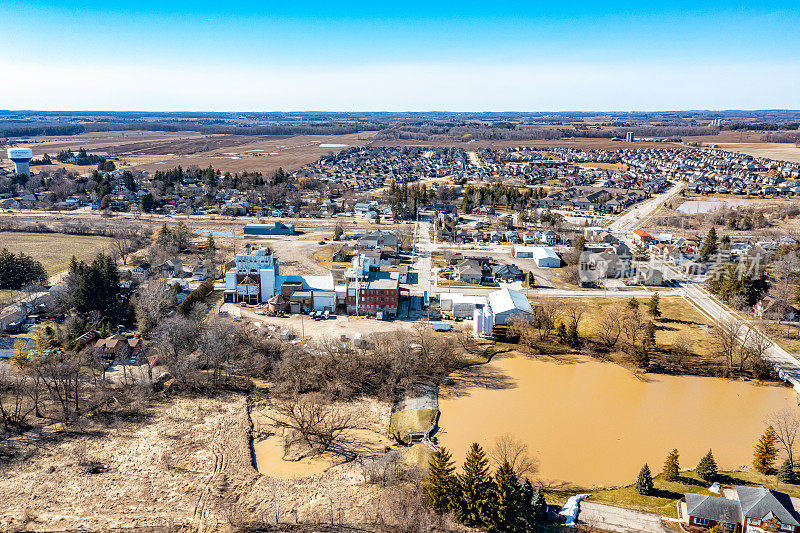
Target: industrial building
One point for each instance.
(276, 228)
(544, 256)
(504, 307)
(256, 279)
(460, 305)
(371, 291)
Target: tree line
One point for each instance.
(19, 270)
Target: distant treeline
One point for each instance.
(504, 131)
(33, 131)
(781, 138)
(762, 126)
(72, 228)
(288, 129)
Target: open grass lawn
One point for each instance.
(55, 250)
(678, 319)
(668, 492)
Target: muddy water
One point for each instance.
(593, 423)
(269, 454)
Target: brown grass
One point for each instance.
(55, 250)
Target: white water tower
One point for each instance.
(21, 157)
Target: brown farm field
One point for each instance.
(153, 151)
(54, 250)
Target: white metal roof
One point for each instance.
(509, 300)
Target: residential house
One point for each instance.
(506, 273)
(768, 307)
(753, 509)
(141, 271)
(469, 271)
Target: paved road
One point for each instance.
(611, 518)
(786, 364)
(632, 218)
(422, 259)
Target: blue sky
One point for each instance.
(413, 55)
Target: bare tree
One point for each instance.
(151, 303)
(15, 401)
(315, 421)
(508, 448)
(609, 327)
(216, 345)
(727, 337)
(786, 423)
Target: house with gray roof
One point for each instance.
(754, 509)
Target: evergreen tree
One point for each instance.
(633, 303)
(652, 306)
(561, 334)
(508, 501)
(476, 489)
(766, 451)
(786, 473)
(538, 505)
(709, 246)
(441, 485)
(644, 484)
(164, 237)
(572, 339)
(707, 467)
(210, 248)
(671, 466)
(148, 203)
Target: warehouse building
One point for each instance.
(544, 256)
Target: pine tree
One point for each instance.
(765, 451)
(786, 473)
(652, 306)
(476, 489)
(644, 485)
(707, 467)
(671, 466)
(508, 501)
(573, 340)
(561, 334)
(538, 505)
(709, 246)
(633, 303)
(440, 486)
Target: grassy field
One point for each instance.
(55, 250)
(678, 319)
(787, 338)
(668, 492)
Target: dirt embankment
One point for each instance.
(186, 465)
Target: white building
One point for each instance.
(460, 305)
(507, 304)
(256, 278)
(544, 256)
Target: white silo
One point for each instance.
(21, 158)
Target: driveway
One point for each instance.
(611, 518)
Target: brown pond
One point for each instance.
(593, 423)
